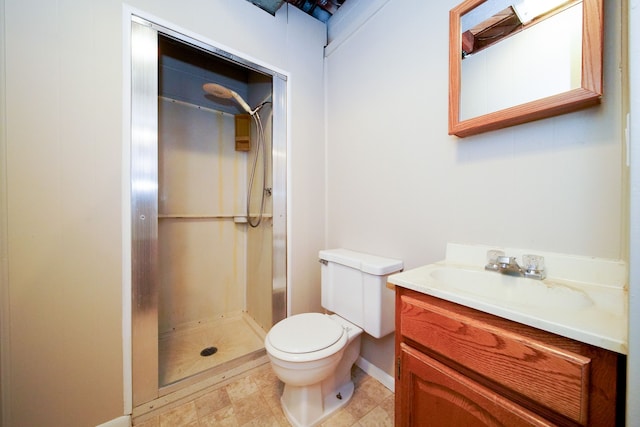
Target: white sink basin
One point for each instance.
(511, 290)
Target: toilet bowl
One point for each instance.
(312, 353)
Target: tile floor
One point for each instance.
(254, 400)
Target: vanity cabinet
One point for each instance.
(457, 366)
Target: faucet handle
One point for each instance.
(492, 259)
(534, 266)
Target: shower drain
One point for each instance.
(208, 351)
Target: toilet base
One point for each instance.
(306, 409)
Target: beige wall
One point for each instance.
(403, 188)
(63, 139)
(62, 352)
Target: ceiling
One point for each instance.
(319, 9)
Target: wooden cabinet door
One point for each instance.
(432, 394)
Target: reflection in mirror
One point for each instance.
(494, 20)
(514, 61)
(482, 27)
(542, 61)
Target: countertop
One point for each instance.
(582, 298)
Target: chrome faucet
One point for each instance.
(509, 265)
(533, 265)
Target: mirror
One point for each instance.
(510, 65)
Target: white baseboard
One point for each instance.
(387, 380)
(123, 421)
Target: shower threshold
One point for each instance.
(185, 374)
(191, 388)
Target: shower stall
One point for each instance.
(207, 212)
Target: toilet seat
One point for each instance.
(305, 337)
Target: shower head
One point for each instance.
(220, 91)
(217, 90)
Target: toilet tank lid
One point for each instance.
(367, 263)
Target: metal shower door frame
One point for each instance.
(144, 197)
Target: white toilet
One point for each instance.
(312, 353)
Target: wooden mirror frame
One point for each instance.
(587, 95)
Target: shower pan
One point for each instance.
(208, 220)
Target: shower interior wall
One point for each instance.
(210, 266)
(260, 297)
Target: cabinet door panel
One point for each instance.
(552, 377)
(432, 394)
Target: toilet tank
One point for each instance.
(354, 286)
